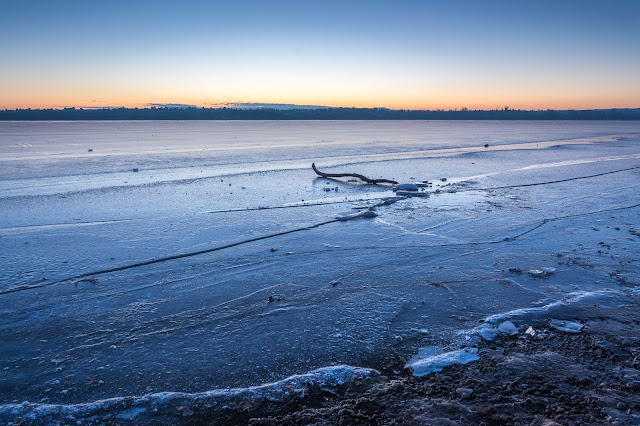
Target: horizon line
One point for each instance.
(284, 107)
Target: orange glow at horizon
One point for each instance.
(446, 103)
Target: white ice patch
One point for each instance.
(294, 387)
(423, 366)
(566, 326)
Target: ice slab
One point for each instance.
(508, 328)
(567, 326)
(433, 364)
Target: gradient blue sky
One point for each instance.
(398, 54)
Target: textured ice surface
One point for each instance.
(221, 264)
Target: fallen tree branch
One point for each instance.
(355, 175)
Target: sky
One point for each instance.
(396, 54)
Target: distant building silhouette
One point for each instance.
(323, 113)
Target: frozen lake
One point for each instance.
(106, 200)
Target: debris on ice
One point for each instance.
(406, 187)
(542, 272)
(366, 214)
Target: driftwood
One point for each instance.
(355, 175)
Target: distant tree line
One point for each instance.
(160, 113)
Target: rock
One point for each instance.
(508, 328)
(464, 393)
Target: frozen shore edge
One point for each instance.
(163, 403)
(289, 390)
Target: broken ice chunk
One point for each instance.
(567, 326)
(422, 367)
(488, 333)
(507, 327)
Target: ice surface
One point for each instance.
(259, 280)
